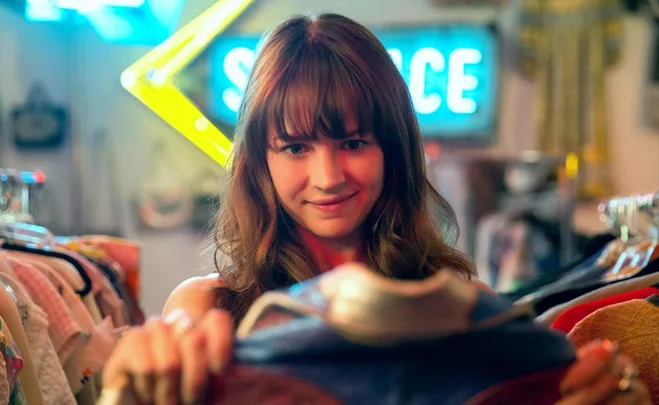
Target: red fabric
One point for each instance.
(568, 319)
(541, 388)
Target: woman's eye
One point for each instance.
(295, 149)
(354, 144)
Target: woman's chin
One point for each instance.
(332, 230)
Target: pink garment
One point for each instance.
(124, 252)
(98, 339)
(107, 299)
(52, 379)
(64, 331)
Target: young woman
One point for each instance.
(328, 168)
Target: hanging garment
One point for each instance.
(68, 273)
(550, 316)
(545, 302)
(516, 249)
(568, 319)
(125, 252)
(116, 277)
(590, 248)
(5, 384)
(462, 361)
(486, 233)
(98, 339)
(107, 300)
(634, 326)
(64, 331)
(52, 380)
(12, 317)
(114, 272)
(13, 366)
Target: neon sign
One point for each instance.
(451, 73)
(143, 22)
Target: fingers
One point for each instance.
(172, 361)
(142, 376)
(194, 366)
(179, 322)
(593, 360)
(218, 328)
(606, 388)
(599, 390)
(205, 352)
(167, 363)
(638, 394)
(118, 368)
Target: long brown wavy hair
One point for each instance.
(313, 73)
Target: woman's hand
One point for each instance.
(172, 361)
(603, 376)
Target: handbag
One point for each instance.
(39, 123)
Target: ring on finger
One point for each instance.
(628, 376)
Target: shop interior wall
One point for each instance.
(82, 71)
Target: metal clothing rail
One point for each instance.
(640, 201)
(618, 210)
(18, 189)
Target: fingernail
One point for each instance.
(179, 321)
(174, 316)
(611, 347)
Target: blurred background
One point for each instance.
(533, 111)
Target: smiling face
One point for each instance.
(328, 141)
(328, 185)
(326, 130)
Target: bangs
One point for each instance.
(319, 95)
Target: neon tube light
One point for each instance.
(86, 4)
(150, 78)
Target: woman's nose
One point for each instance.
(327, 172)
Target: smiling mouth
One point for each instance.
(332, 201)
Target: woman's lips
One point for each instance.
(332, 204)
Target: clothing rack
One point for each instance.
(622, 212)
(64, 300)
(616, 207)
(640, 200)
(18, 193)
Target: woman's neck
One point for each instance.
(330, 253)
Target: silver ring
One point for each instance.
(628, 376)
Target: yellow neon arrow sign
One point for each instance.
(150, 78)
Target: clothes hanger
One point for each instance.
(635, 259)
(35, 239)
(87, 288)
(615, 288)
(19, 233)
(14, 229)
(620, 215)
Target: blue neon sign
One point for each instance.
(451, 73)
(134, 22)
